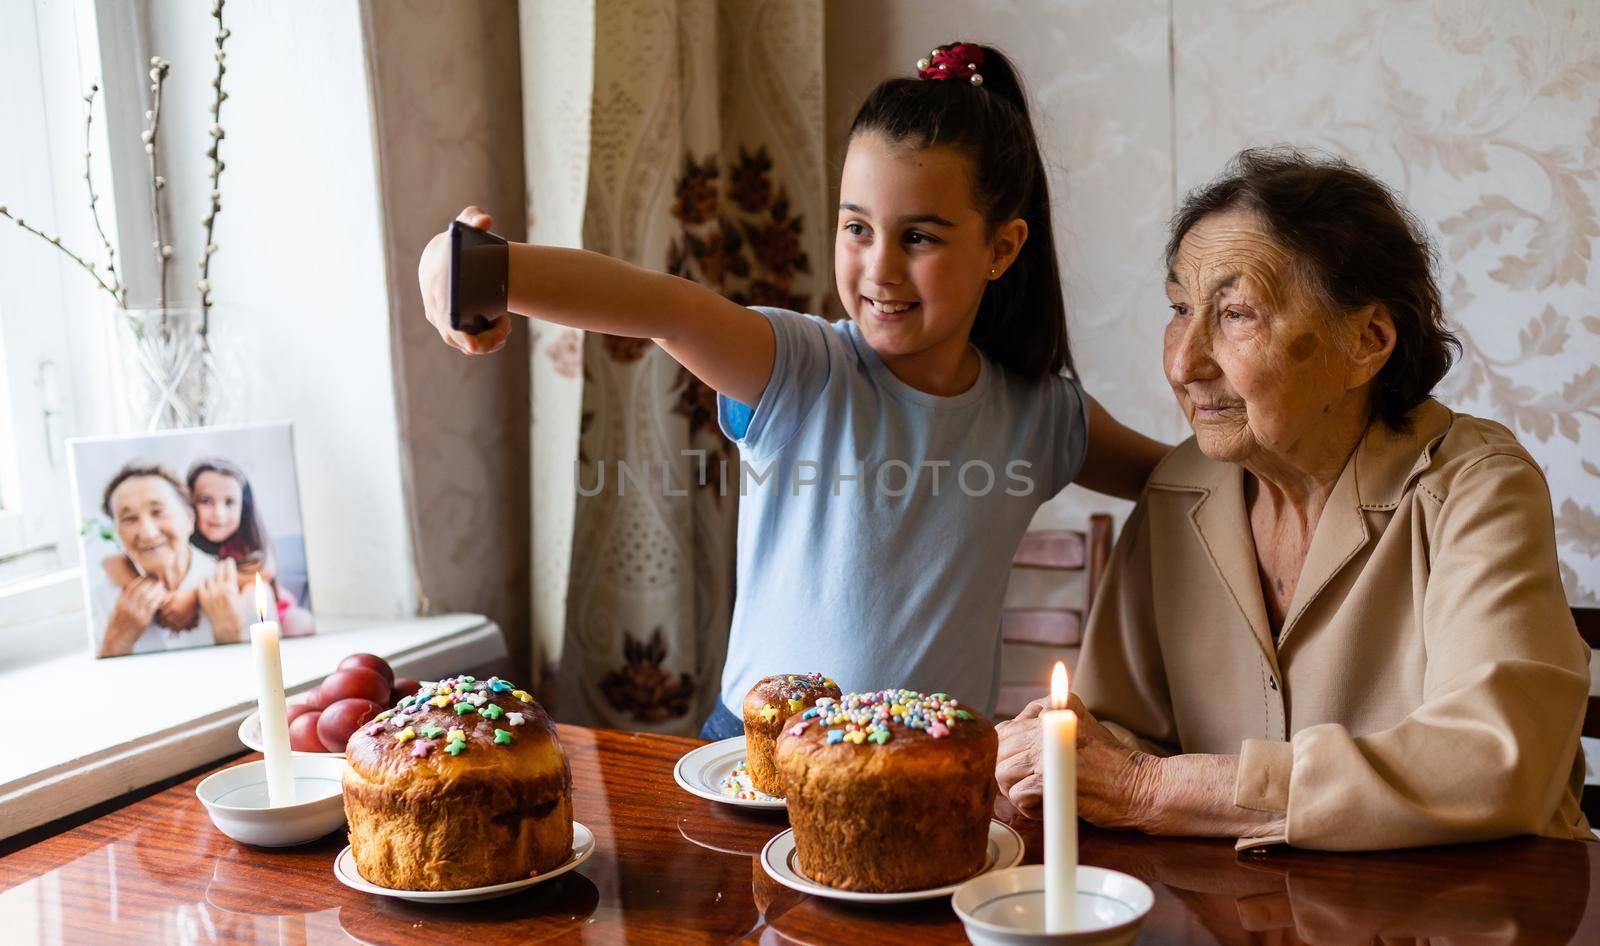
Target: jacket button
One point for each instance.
(1272, 683)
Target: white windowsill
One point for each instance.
(106, 727)
(25, 601)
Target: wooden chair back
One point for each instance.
(1057, 551)
(1588, 621)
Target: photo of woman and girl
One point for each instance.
(186, 555)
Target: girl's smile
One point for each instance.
(913, 257)
(888, 310)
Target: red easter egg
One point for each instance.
(340, 720)
(405, 686)
(303, 733)
(354, 683)
(371, 662)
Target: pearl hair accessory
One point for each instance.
(952, 61)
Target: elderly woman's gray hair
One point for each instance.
(1355, 243)
(136, 468)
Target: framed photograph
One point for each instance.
(176, 529)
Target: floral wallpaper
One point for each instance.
(1485, 116)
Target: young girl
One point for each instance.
(228, 526)
(226, 522)
(890, 462)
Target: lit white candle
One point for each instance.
(270, 703)
(1060, 734)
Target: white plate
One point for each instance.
(250, 735)
(701, 771)
(344, 868)
(778, 857)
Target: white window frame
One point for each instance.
(56, 329)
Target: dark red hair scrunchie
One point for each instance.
(956, 61)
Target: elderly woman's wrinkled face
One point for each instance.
(1253, 361)
(153, 522)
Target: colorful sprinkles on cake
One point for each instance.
(464, 698)
(795, 690)
(737, 784)
(869, 717)
(797, 687)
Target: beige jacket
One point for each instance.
(1428, 684)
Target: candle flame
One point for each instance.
(262, 600)
(1058, 686)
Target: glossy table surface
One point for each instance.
(670, 868)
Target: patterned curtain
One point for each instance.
(702, 154)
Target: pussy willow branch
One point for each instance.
(118, 291)
(215, 154)
(158, 76)
(115, 289)
(55, 241)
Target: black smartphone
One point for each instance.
(478, 262)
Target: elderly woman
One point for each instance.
(1334, 620)
(180, 597)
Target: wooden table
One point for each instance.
(671, 868)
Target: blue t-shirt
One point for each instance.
(877, 522)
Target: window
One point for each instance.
(50, 310)
(33, 493)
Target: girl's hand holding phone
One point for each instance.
(724, 344)
(433, 276)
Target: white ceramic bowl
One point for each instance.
(1006, 908)
(236, 799)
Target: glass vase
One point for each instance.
(169, 370)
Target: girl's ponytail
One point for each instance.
(1022, 320)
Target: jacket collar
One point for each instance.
(1376, 478)
(1388, 463)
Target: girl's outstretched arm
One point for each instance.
(722, 343)
(1118, 459)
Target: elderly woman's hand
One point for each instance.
(1113, 780)
(217, 599)
(180, 610)
(136, 606)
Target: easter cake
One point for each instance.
(462, 785)
(766, 707)
(889, 791)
